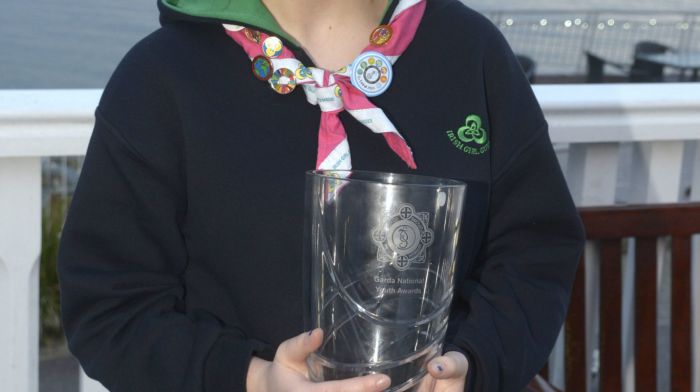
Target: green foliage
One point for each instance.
(53, 216)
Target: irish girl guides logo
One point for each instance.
(471, 138)
(402, 237)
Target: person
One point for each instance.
(180, 260)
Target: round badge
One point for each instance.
(272, 47)
(262, 68)
(371, 73)
(252, 35)
(283, 81)
(381, 35)
(338, 92)
(302, 73)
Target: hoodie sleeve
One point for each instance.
(510, 306)
(123, 252)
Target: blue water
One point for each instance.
(68, 43)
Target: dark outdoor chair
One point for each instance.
(595, 67)
(651, 47)
(645, 71)
(528, 65)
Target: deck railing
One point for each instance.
(616, 144)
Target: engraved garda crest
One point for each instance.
(402, 237)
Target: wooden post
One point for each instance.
(575, 335)
(681, 316)
(610, 315)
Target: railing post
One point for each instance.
(655, 178)
(592, 178)
(656, 173)
(20, 247)
(592, 173)
(695, 271)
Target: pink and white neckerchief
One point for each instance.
(333, 92)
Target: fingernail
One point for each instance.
(383, 382)
(439, 367)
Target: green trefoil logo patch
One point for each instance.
(471, 138)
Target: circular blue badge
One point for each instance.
(371, 73)
(262, 68)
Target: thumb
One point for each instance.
(293, 352)
(452, 365)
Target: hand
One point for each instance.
(288, 373)
(447, 373)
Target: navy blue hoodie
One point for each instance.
(182, 253)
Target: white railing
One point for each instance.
(616, 143)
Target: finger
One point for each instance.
(293, 352)
(370, 383)
(451, 365)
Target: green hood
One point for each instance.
(243, 12)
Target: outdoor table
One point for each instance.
(681, 60)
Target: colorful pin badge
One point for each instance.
(272, 47)
(371, 73)
(381, 35)
(262, 68)
(283, 81)
(302, 73)
(252, 35)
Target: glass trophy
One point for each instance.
(379, 258)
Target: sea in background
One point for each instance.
(78, 43)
